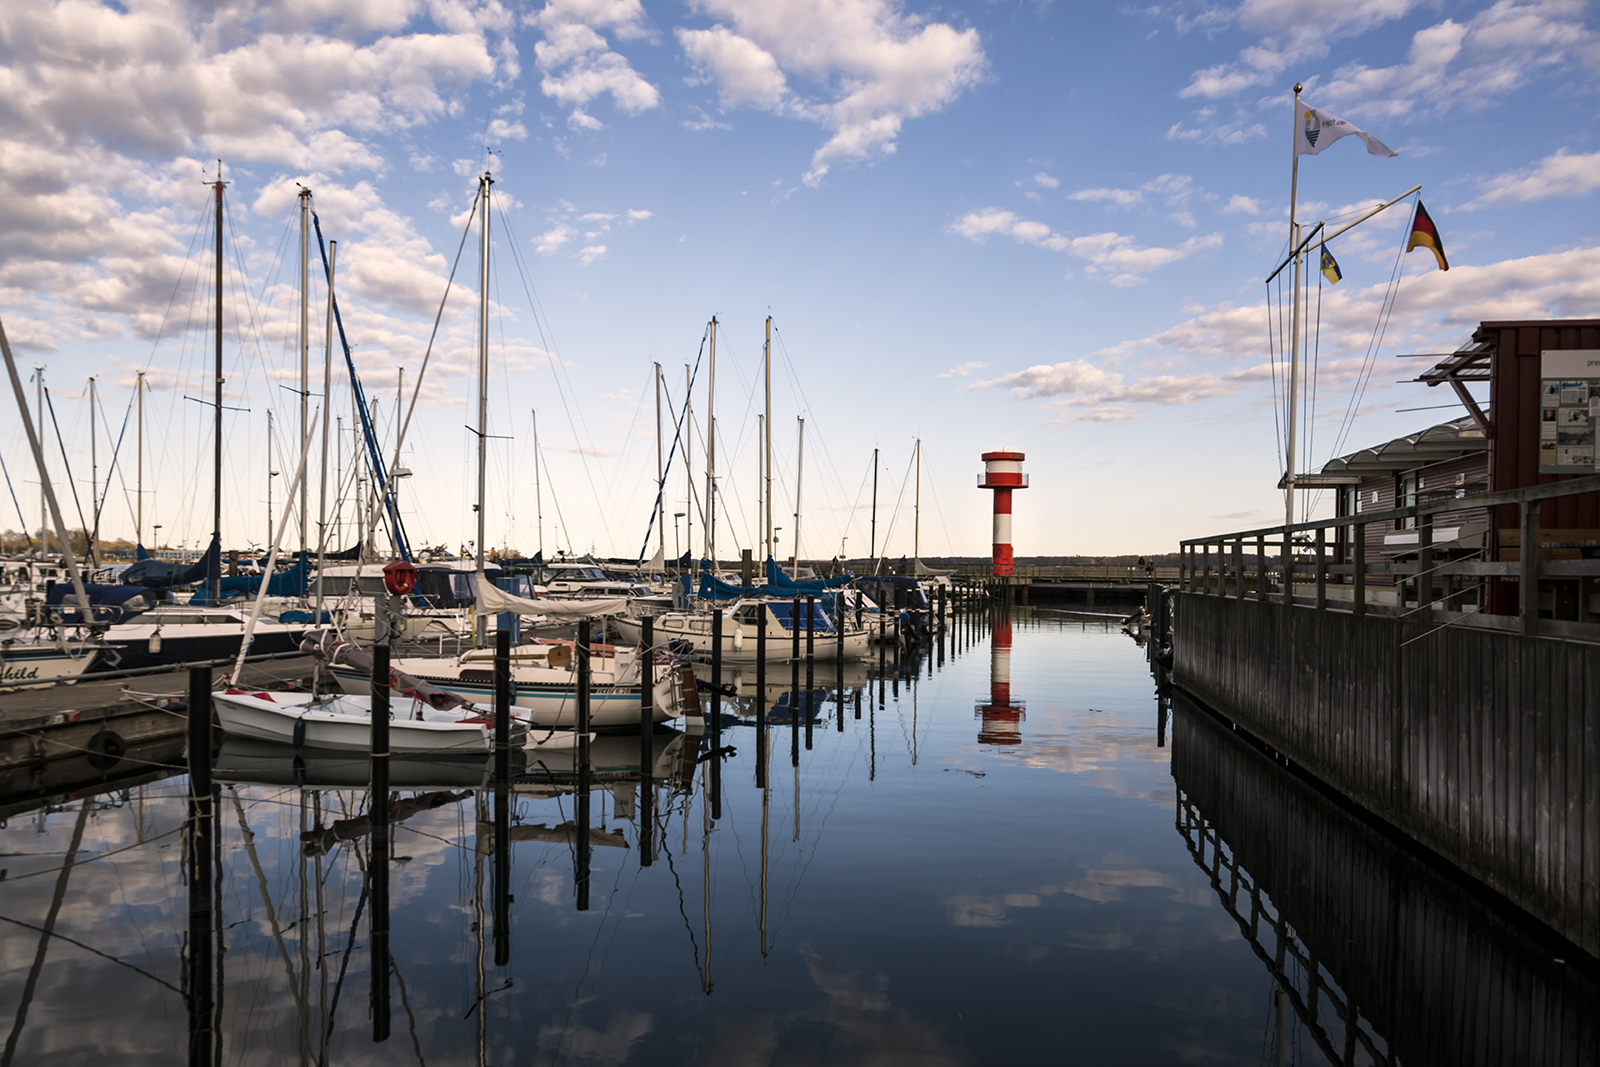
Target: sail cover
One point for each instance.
(492, 600)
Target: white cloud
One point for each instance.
(964, 369)
(1450, 66)
(501, 130)
(639, 214)
(1293, 31)
(577, 63)
(550, 242)
(1243, 205)
(1435, 309)
(591, 253)
(1560, 175)
(1046, 180)
(1173, 189)
(874, 65)
(1112, 254)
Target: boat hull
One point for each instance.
(342, 725)
(43, 666)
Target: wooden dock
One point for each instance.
(1478, 736)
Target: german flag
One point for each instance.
(1424, 234)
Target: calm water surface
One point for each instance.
(928, 886)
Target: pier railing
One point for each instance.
(1475, 734)
(1328, 564)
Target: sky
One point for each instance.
(1031, 226)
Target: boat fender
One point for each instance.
(299, 741)
(738, 639)
(155, 643)
(105, 749)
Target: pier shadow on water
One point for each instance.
(1008, 848)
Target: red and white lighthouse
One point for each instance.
(1002, 472)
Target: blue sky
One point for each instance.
(1034, 226)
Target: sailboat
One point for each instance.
(174, 634)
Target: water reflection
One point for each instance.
(1381, 958)
(899, 891)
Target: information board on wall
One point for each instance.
(1569, 411)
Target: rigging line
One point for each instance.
(677, 435)
(373, 455)
(1272, 354)
(1396, 270)
(560, 518)
(895, 514)
(99, 506)
(821, 440)
(556, 365)
(176, 286)
(933, 483)
(51, 404)
(1311, 415)
(10, 489)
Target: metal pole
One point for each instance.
(716, 713)
(661, 476)
(874, 511)
(138, 521)
(761, 700)
(711, 455)
(216, 493)
(538, 492)
(1294, 329)
(799, 482)
(767, 365)
(502, 815)
(201, 1004)
(305, 342)
(484, 184)
(327, 386)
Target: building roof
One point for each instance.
(1448, 440)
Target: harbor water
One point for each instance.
(977, 855)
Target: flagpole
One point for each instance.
(1294, 319)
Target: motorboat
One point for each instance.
(172, 634)
(543, 681)
(565, 580)
(343, 723)
(741, 622)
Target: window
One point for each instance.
(1408, 497)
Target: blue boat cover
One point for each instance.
(110, 603)
(291, 582)
(781, 584)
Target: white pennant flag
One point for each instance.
(1316, 130)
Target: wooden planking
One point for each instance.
(1479, 744)
(1441, 978)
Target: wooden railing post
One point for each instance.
(1360, 563)
(1238, 568)
(1261, 567)
(1205, 567)
(1322, 569)
(1425, 561)
(1288, 568)
(1529, 593)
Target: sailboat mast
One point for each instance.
(327, 409)
(538, 493)
(216, 492)
(711, 453)
(688, 464)
(661, 474)
(1294, 318)
(799, 480)
(767, 365)
(305, 341)
(270, 475)
(138, 513)
(916, 515)
(44, 505)
(94, 481)
(483, 375)
(874, 511)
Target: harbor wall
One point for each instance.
(1483, 746)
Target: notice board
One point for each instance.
(1569, 411)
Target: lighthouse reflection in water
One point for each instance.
(1001, 717)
